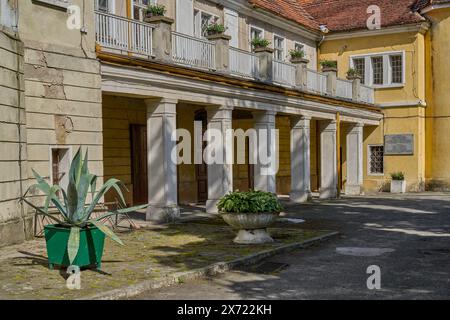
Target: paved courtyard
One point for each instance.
(408, 237)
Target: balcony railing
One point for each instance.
(344, 89)
(316, 82)
(244, 63)
(283, 73)
(129, 36)
(191, 51)
(123, 34)
(367, 94)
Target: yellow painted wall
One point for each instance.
(438, 95)
(397, 119)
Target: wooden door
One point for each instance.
(201, 170)
(139, 176)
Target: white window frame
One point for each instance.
(132, 9)
(111, 6)
(283, 58)
(250, 27)
(198, 21)
(387, 69)
(369, 173)
(300, 44)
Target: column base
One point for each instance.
(211, 206)
(328, 193)
(162, 214)
(300, 196)
(353, 190)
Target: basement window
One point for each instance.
(376, 160)
(60, 166)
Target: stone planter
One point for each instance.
(398, 186)
(352, 78)
(263, 49)
(329, 69)
(252, 227)
(299, 60)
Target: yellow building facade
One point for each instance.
(416, 106)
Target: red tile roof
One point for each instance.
(347, 15)
(289, 9)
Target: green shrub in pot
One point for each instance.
(251, 213)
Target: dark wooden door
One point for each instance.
(201, 170)
(250, 168)
(139, 169)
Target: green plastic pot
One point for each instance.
(90, 253)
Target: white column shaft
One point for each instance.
(220, 173)
(162, 171)
(354, 160)
(328, 163)
(265, 151)
(300, 160)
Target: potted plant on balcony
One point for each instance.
(215, 29)
(328, 65)
(298, 56)
(77, 238)
(260, 44)
(251, 213)
(156, 10)
(398, 183)
(352, 74)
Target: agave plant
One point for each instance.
(76, 214)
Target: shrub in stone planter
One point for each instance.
(215, 28)
(156, 10)
(328, 65)
(352, 74)
(258, 43)
(398, 183)
(297, 54)
(251, 213)
(77, 238)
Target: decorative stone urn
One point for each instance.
(398, 186)
(252, 226)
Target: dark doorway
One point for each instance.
(201, 170)
(139, 177)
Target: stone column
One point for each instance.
(219, 155)
(161, 37)
(301, 66)
(265, 58)
(222, 44)
(328, 161)
(354, 160)
(356, 86)
(331, 80)
(300, 159)
(162, 171)
(264, 150)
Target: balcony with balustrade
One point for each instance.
(156, 41)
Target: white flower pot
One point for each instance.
(252, 227)
(398, 186)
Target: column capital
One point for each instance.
(300, 122)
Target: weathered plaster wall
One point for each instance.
(15, 221)
(62, 85)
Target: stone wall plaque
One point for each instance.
(399, 144)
